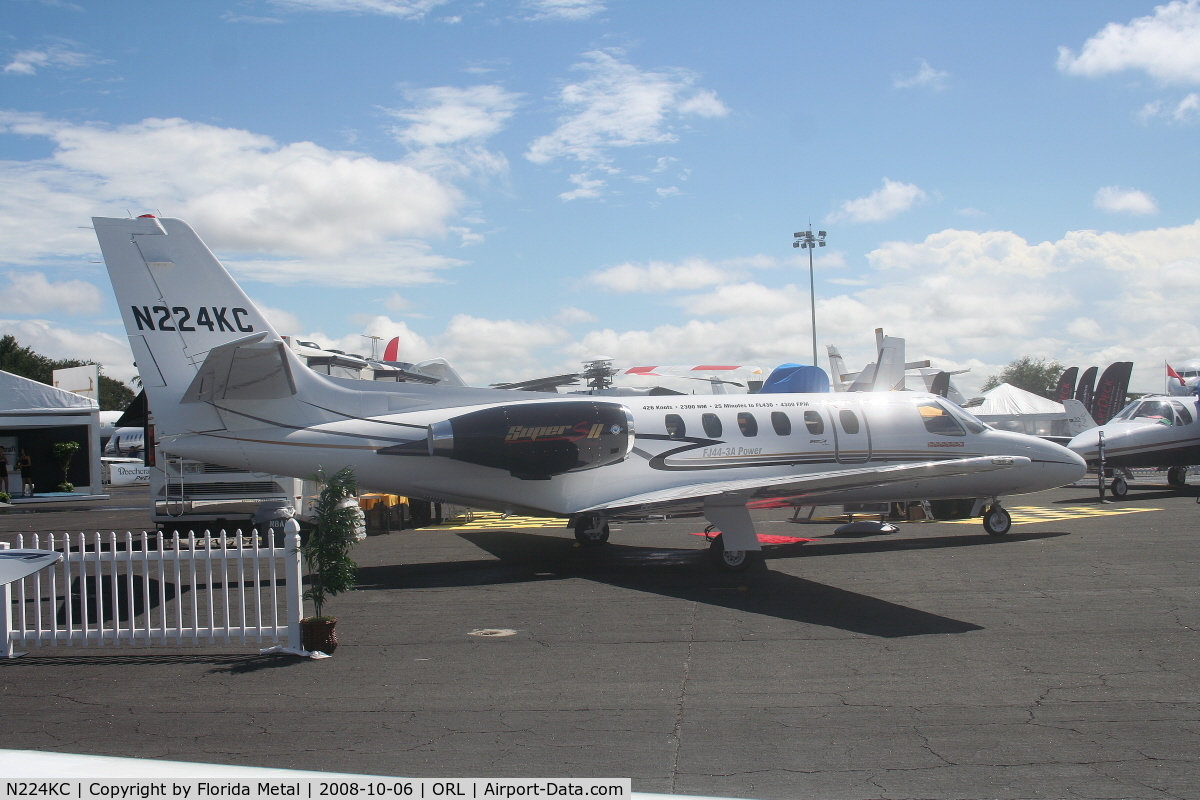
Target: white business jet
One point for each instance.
(1153, 431)
(224, 389)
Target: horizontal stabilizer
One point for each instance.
(823, 483)
(246, 369)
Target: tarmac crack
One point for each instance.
(681, 698)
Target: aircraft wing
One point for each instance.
(823, 483)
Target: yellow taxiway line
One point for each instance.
(1025, 515)
(1021, 515)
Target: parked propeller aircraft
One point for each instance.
(225, 389)
(1153, 431)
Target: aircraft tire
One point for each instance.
(1177, 476)
(1119, 487)
(997, 521)
(587, 537)
(731, 560)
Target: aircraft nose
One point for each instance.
(1053, 465)
(1086, 444)
(1060, 465)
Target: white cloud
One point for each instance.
(618, 105)
(406, 264)
(746, 299)
(401, 9)
(1187, 108)
(32, 293)
(1165, 45)
(661, 276)
(446, 126)
(926, 77)
(1185, 111)
(586, 186)
(284, 322)
(305, 205)
(893, 199)
(941, 295)
(230, 16)
(564, 10)
(574, 316)
(828, 259)
(1124, 201)
(50, 339)
(447, 115)
(61, 56)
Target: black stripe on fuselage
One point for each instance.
(781, 459)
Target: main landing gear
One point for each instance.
(1177, 476)
(729, 560)
(591, 530)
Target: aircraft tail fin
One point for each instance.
(1078, 418)
(837, 368)
(180, 305)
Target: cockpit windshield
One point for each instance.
(1158, 411)
(968, 419)
(947, 419)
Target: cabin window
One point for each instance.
(712, 425)
(1185, 416)
(938, 419)
(675, 427)
(781, 423)
(747, 424)
(814, 423)
(1155, 411)
(849, 421)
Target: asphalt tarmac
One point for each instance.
(1059, 661)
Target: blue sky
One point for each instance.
(518, 185)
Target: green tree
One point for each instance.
(24, 361)
(1031, 374)
(64, 452)
(327, 551)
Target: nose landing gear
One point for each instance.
(996, 520)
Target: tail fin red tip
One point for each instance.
(392, 351)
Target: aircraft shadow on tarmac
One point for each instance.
(686, 575)
(237, 663)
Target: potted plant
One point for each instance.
(64, 452)
(326, 554)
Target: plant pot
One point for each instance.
(318, 634)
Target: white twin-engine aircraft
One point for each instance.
(225, 389)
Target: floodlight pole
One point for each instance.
(806, 241)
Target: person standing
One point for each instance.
(26, 466)
(3, 470)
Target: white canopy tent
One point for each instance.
(1008, 408)
(33, 416)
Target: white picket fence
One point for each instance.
(153, 589)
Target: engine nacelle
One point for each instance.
(535, 441)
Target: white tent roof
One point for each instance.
(19, 394)
(1008, 400)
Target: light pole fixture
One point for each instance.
(806, 240)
